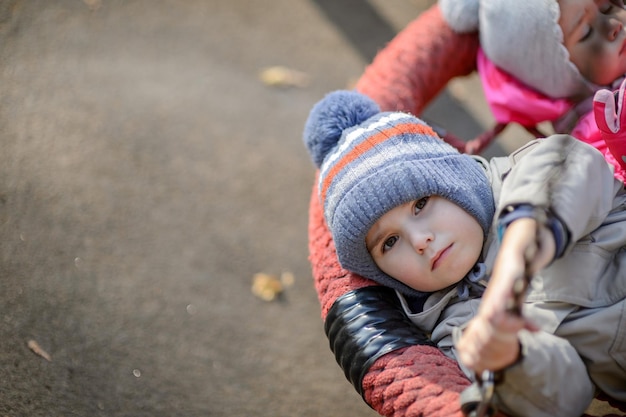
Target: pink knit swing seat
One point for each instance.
(412, 380)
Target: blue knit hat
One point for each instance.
(371, 162)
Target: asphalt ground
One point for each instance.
(147, 173)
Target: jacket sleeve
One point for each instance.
(529, 389)
(580, 188)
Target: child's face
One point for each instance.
(595, 37)
(427, 244)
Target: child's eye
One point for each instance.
(586, 34)
(389, 242)
(419, 204)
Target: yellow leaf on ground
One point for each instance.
(267, 287)
(279, 76)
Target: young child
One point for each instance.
(543, 60)
(410, 212)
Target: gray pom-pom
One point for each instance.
(461, 15)
(332, 115)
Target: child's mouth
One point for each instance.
(439, 257)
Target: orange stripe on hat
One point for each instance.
(368, 144)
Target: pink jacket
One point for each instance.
(512, 101)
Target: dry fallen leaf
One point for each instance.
(266, 287)
(34, 346)
(279, 76)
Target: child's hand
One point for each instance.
(608, 109)
(490, 341)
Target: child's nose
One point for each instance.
(420, 239)
(614, 28)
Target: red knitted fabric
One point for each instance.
(415, 381)
(331, 281)
(417, 64)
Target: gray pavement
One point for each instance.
(146, 175)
